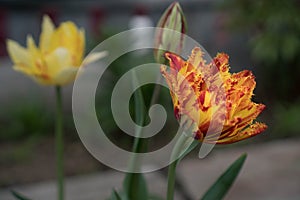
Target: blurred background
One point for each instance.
(262, 36)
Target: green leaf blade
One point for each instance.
(219, 189)
(19, 196)
(135, 187)
(115, 195)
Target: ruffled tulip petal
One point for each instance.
(46, 35)
(93, 57)
(19, 55)
(248, 132)
(32, 48)
(65, 76)
(80, 47)
(57, 58)
(22, 69)
(194, 84)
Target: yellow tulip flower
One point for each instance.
(57, 58)
(192, 101)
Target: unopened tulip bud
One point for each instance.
(173, 18)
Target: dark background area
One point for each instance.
(262, 36)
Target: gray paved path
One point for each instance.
(271, 172)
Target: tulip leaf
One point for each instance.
(115, 196)
(155, 197)
(19, 196)
(135, 187)
(224, 182)
(187, 150)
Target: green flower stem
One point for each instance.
(171, 180)
(59, 144)
(134, 183)
(156, 91)
(183, 146)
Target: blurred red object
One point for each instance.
(96, 19)
(3, 31)
(52, 12)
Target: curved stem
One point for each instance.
(171, 180)
(183, 146)
(177, 153)
(156, 91)
(59, 144)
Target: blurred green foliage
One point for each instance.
(26, 118)
(274, 28)
(106, 85)
(103, 101)
(23, 124)
(23, 120)
(286, 120)
(21, 152)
